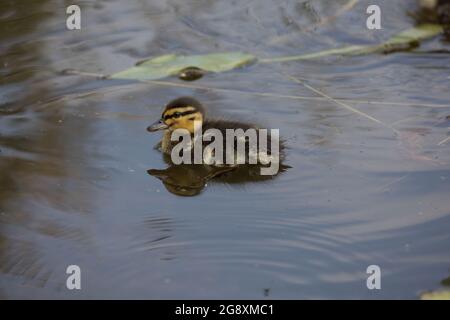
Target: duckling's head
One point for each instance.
(180, 113)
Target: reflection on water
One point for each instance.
(187, 180)
(190, 180)
(75, 156)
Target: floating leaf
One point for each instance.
(171, 64)
(193, 67)
(421, 32)
(435, 295)
(401, 41)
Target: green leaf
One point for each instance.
(401, 41)
(435, 295)
(421, 32)
(171, 64)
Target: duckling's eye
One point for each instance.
(176, 115)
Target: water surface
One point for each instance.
(74, 155)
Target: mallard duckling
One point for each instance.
(185, 112)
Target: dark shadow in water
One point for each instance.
(445, 282)
(191, 179)
(435, 12)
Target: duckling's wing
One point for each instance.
(222, 125)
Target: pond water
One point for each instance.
(74, 155)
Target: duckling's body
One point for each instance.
(222, 125)
(183, 112)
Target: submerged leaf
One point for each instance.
(171, 64)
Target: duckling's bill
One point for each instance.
(158, 125)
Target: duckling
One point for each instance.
(184, 112)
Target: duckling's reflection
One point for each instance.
(191, 179)
(186, 179)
